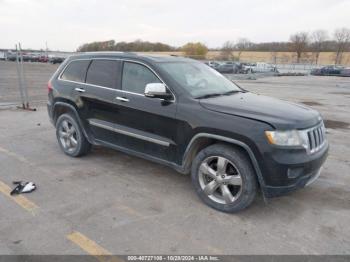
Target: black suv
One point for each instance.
(184, 114)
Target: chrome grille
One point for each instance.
(316, 138)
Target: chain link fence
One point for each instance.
(36, 76)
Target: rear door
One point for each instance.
(72, 77)
(102, 80)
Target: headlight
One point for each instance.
(285, 138)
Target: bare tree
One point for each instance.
(226, 50)
(318, 41)
(242, 45)
(342, 39)
(299, 43)
(273, 48)
(274, 56)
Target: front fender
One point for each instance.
(244, 146)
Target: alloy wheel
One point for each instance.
(68, 136)
(220, 180)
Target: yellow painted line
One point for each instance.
(130, 210)
(16, 156)
(91, 247)
(24, 160)
(19, 199)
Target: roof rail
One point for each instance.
(108, 52)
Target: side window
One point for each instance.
(136, 77)
(103, 73)
(76, 71)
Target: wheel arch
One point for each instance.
(62, 107)
(202, 140)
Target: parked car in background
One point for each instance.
(27, 57)
(212, 64)
(2, 56)
(56, 59)
(345, 72)
(10, 56)
(32, 57)
(228, 68)
(259, 67)
(43, 59)
(327, 70)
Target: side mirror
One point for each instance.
(157, 90)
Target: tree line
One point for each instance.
(300, 43)
(195, 50)
(135, 46)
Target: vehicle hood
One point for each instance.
(280, 114)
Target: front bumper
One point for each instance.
(294, 173)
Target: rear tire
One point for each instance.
(70, 137)
(224, 178)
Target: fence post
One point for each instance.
(24, 85)
(20, 83)
(21, 79)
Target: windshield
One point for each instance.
(199, 79)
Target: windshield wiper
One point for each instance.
(231, 92)
(208, 95)
(218, 94)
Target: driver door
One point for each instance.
(142, 124)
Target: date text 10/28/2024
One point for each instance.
(173, 258)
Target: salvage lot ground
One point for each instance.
(127, 205)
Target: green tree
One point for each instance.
(195, 50)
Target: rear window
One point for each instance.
(103, 73)
(76, 71)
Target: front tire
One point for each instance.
(70, 136)
(224, 178)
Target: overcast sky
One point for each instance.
(66, 24)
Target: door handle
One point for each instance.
(123, 99)
(81, 90)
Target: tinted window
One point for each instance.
(136, 77)
(103, 73)
(76, 71)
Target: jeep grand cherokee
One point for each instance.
(182, 113)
